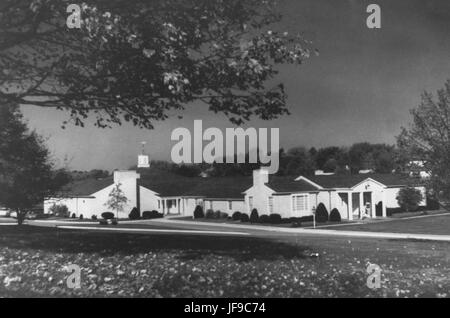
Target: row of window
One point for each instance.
(173, 202)
(299, 203)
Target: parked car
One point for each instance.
(5, 212)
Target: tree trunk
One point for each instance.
(20, 217)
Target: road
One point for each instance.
(185, 227)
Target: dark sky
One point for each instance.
(360, 87)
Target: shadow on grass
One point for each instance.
(190, 247)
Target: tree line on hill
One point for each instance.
(379, 158)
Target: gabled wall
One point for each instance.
(260, 193)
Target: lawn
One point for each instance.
(439, 225)
(32, 261)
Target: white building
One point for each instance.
(164, 192)
(349, 194)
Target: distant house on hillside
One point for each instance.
(349, 194)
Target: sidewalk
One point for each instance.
(309, 231)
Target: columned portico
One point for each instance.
(356, 203)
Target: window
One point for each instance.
(270, 204)
(230, 205)
(250, 203)
(300, 203)
(159, 204)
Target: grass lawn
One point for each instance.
(423, 225)
(32, 261)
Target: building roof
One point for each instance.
(222, 187)
(86, 187)
(168, 184)
(349, 181)
(288, 184)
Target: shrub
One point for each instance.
(60, 210)
(134, 214)
(379, 209)
(335, 216)
(108, 215)
(254, 216)
(217, 214)
(307, 218)
(390, 211)
(275, 218)
(210, 214)
(264, 219)
(74, 216)
(223, 215)
(152, 215)
(408, 198)
(321, 213)
(432, 203)
(198, 212)
(244, 217)
(81, 216)
(94, 217)
(236, 216)
(114, 222)
(103, 222)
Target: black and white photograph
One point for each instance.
(224, 153)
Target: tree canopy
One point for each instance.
(27, 175)
(427, 139)
(144, 61)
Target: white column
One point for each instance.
(350, 206)
(361, 203)
(384, 202)
(372, 207)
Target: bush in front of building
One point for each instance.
(254, 216)
(408, 198)
(153, 214)
(295, 222)
(103, 222)
(432, 203)
(198, 212)
(307, 218)
(335, 216)
(321, 213)
(74, 216)
(236, 216)
(264, 218)
(81, 216)
(108, 215)
(134, 214)
(210, 214)
(223, 215)
(244, 218)
(275, 218)
(114, 222)
(94, 217)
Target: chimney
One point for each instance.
(260, 177)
